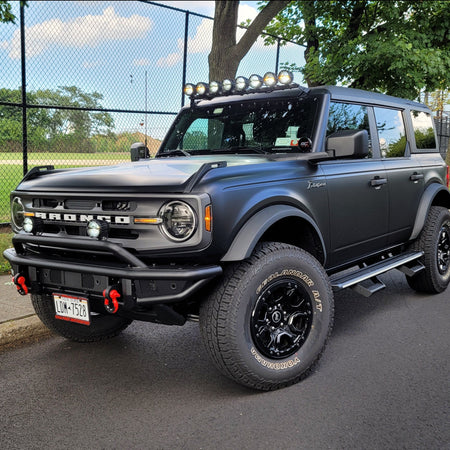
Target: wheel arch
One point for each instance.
(434, 195)
(281, 223)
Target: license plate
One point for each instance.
(72, 309)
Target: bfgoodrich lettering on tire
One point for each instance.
(268, 321)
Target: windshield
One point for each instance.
(278, 125)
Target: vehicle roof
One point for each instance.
(338, 93)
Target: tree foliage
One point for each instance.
(50, 127)
(6, 14)
(395, 47)
(226, 53)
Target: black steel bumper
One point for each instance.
(132, 269)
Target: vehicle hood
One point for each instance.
(156, 175)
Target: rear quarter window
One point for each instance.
(423, 130)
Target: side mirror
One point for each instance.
(139, 151)
(354, 143)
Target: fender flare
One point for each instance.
(250, 233)
(424, 206)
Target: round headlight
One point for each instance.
(28, 224)
(270, 79)
(241, 83)
(17, 211)
(189, 89)
(201, 88)
(227, 85)
(178, 220)
(285, 77)
(255, 81)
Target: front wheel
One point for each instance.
(102, 326)
(267, 323)
(434, 241)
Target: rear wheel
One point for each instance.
(267, 323)
(434, 241)
(101, 327)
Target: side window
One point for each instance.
(423, 130)
(345, 116)
(391, 132)
(203, 134)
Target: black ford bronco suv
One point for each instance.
(263, 198)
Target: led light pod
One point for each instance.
(255, 81)
(241, 84)
(227, 85)
(215, 87)
(285, 77)
(28, 224)
(189, 89)
(270, 79)
(201, 88)
(97, 229)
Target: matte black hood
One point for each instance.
(156, 175)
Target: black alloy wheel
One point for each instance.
(281, 319)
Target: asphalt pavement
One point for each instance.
(18, 322)
(383, 383)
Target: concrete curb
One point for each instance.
(21, 331)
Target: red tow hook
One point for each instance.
(111, 295)
(20, 282)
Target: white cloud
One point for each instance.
(86, 31)
(141, 62)
(170, 60)
(202, 40)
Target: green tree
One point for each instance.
(49, 129)
(395, 47)
(6, 14)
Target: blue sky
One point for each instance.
(108, 46)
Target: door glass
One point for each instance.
(391, 132)
(345, 116)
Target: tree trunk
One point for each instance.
(226, 54)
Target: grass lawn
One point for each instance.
(11, 174)
(5, 242)
(50, 156)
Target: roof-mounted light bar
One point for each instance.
(241, 85)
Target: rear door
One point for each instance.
(404, 174)
(357, 192)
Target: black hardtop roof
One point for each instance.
(338, 93)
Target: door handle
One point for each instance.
(416, 176)
(378, 182)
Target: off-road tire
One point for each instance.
(434, 241)
(101, 327)
(236, 320)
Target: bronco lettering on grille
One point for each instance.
(82, 217)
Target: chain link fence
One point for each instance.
(443, 131)
(81, 81)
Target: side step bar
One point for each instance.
(365, 280)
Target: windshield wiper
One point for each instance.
(176, 152)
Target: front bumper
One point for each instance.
(139, 283)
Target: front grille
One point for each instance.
(80, 204)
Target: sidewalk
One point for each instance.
(18, 322)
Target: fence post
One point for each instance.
(24, 91)
(185, 48)
(277, 61)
